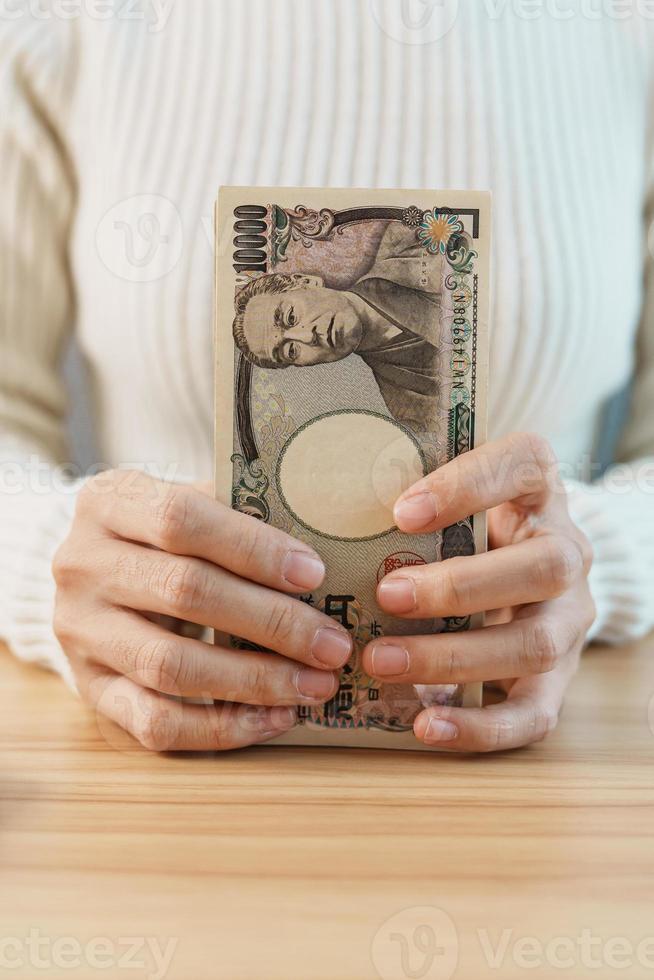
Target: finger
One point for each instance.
(197, 591)
(165, 725)
(153, 657)
(533, 643)
(184, 520)
(521, 468)
(536, 569)
(529, 713)
(204, 486)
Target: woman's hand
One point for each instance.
(533, 581)
(139, 547)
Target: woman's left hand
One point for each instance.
(532, 583)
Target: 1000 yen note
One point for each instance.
(351, 360)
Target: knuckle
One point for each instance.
(472, 479)
(540, 451)
(225, 728)
(590, 614)
(586, 551)
(172, 517)
(545, 722)
(221, 740)
(258, 682)
(154, 729)
(562, 564)
(65, 566)
(181, 587)
(536, 467)
(218, 729)
(71, 565)
(573, 634)
(117, 652)
(451, 664)
(497, 734)
(251, 542)
(63, 626)
(128, 568)
(454, 593)
(281, 624)
(541, 646)
(160, 665)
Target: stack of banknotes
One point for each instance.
(351, 360)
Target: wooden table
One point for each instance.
(291, 863)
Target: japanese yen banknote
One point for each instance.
(351, 360)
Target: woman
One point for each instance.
(117, 128)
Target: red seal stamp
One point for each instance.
(399, 559)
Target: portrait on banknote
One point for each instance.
(351, 336)
(389, 317)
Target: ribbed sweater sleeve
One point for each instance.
(36, 313)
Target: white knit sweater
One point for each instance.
(107, 122)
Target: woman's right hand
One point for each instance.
(139, 546)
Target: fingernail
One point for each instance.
(439, 730)
(397, 595)
(304, 570)
(331, 647)
(314, 684)
(415, 512)
(271, 720)
(387, 659)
